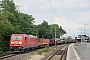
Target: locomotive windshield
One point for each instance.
(16, 37)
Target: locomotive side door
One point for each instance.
(26, 41)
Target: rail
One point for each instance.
(7, 56)
(60, 54)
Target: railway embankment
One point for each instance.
(43, 54)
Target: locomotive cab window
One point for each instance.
(16, 37)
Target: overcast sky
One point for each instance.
(71, 14)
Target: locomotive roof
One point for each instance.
(31, 36)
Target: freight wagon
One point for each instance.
(43, 42)
(57, 41)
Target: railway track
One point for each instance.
(15, 54)
(7, 56)
(60, 54)
(10, 55)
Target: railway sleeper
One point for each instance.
(60, 52)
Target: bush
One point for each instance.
(39, 51)
(8, 52)
(46, 48)
(1, 53)
(32, 53)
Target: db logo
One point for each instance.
(16, 42)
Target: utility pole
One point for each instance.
(55, 36)
(0, 6)
(84, 29)
(81, 34)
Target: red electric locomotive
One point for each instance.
(22, 42)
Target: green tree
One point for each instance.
(62, 31)
(69, 38)
(43, 30)
(48, 31)
(8, 5)
(6, 28)
(52, 29)
(59, 30)
(25, 23)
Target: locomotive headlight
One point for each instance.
(20, 42)
(12, 42)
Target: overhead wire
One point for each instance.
(57, 8)
(54, 12)
(53, 8)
